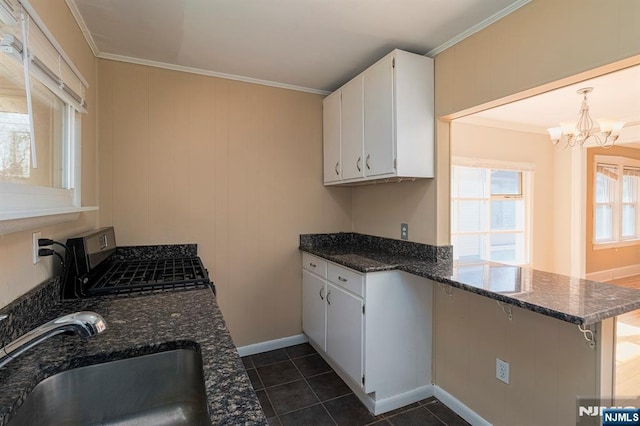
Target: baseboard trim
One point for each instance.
(612, 274)
(401, 400)
(271, 345)
(458, 407)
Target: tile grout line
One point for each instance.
(264, 388)
(436, 416)
(313, 391)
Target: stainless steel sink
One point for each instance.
(165, 388)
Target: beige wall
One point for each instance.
(602, 260)
(491, 143)
(232, 166)
(550, 363)
(544, 41)
(17, 273)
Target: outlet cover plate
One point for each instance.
(502, 370)
(404, 231)
(36, 237)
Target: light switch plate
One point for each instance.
(404, 231)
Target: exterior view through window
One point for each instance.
(15, 134)
(488, 215)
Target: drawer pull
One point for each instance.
(344, 280)
(328, 294)
(313, 265)
(321, 295)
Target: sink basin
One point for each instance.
(165, 388)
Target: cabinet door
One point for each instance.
(379, 143)
(345, 331)
(351, 117)
(331, 138)
(314, 312)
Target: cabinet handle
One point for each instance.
(344, 280)
(358, 164)
(328, 294)
(367, 162)
(313, 265)
(336, 169)
(321, 295)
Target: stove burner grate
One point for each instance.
(129, 276)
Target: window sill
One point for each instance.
(615, 244)
(22, 220)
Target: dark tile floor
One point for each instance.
(297, 387)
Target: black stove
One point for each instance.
(97, 270)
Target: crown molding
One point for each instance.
(478, 27)
(83, 27)
(200, 71)
(120, 58)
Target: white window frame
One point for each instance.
(616, 212)
(26, 206)
(526, 170)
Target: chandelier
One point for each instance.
(583, 131)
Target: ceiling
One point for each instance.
(314, 45)
(616, 96)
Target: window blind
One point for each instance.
(48, 62)
(631, 171)
(607, 170)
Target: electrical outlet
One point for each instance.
(36, 237)
(404, 231)
(502, 370)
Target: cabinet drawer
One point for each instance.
(346, 278)
(314, 264)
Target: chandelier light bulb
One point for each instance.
(555, 133)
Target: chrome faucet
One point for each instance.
(84, 324)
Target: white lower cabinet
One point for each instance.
(314, 314)
(374, 329)
(345, 326)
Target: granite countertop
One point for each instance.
(139, 326)
(573, 300)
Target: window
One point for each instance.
(41, 96)
(489, 215)
(615, 201)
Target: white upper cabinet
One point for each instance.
(378, 118)
(331, 130)
(351, 122)
(386, 122)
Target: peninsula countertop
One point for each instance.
(573, 300)
(139, 326)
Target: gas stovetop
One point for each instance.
(128, 276)
(96, 269)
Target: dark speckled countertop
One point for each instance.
(569, 299)
(136, 326)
